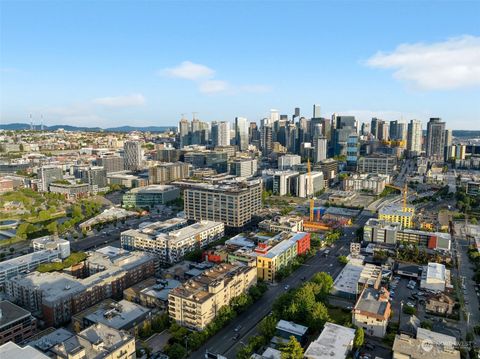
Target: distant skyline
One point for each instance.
(114, 63)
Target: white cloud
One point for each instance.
(213, 86)
(189, 71)
(454, 63)
(121, 101)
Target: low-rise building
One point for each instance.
(335, 342)
(286, 329)
(356, 276)
(383, 231)
(151, 293)
(440, 303)
(372, 311)
(167, 172)
(278, 252)
(196, 303)
(122, 315)
(58, 296)
(26, 263)
(171, 247)
(427, 345)
(16, 324)
(380, 164)
(52, 243)
(371, 183)
(150, 196)
(71, 191)
(282, 224)
(397, 214)
(435, 277)
(10, 350)
(97, 341)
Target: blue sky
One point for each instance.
(107, 63)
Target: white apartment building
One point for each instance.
(288, 161)
(52, 243)
(435, 277)
(172, 246)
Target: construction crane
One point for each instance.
(310, 189)
(404, 191)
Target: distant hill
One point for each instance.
(466, 133)
(26, 126)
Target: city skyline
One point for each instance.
(145, 64)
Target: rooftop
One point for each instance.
(154, 188)
(291, 327)
(422, 349)
(10, 312)
(333, 343)
(26, 259)
(11, 350)
(117, 315)
(373, 302)
(49, 338)
(436, 271)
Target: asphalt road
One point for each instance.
(223, 342)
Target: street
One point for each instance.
(223, 342)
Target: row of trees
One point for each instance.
(182, 340)
(305, 305)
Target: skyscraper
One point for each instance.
(435, 147)
(241, 133)
(132, 155)
(414, 138)
(220, 133)
(320, 148)
(345, 126)
(316, 111)
(184, 132)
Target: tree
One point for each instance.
(317, 316)
(359, 338)
(325, 282)
(52, 227)
(176, 351)
(292, 350)
(343, 259)
(268, 326)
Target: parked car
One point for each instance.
(287, 287)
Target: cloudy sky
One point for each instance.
(111, 63)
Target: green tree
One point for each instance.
(268, 326)
(176, 351)
(317, 316)
(343, 259)
(359, 338)
(292, 349)
(52, 227)
(325, 283)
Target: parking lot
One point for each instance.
(400, 292)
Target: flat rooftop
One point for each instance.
(291, 327)
(154, 188)
(27, 258)
(11, 350)
(118, 315)
(333, 343)
(370, 303)
(50, 338)
(10, 313)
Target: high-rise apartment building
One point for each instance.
(220, 133)
(320, 148)
(241, 133)
(316, 111)
(48, 175)
(184, 132)
(435, 146)
(234, 204)
(112, 163)
(414, 138)
(132, 155)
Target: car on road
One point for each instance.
(287, 287)
(237, 328)
(236, 336)
(410, 304)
